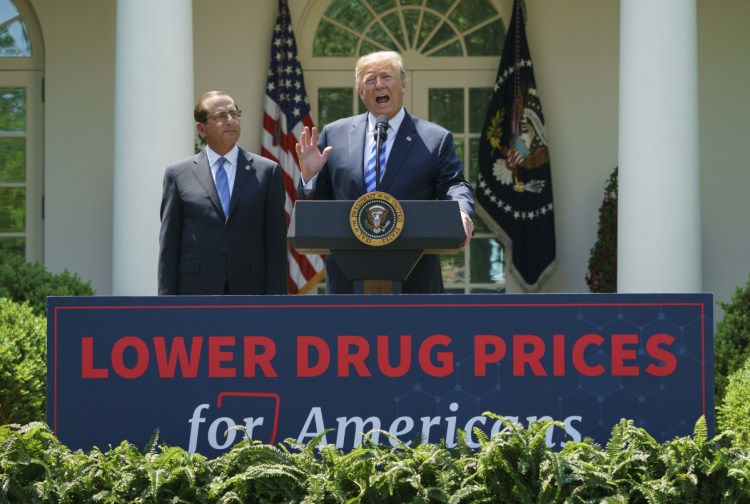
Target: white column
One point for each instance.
(659, 241)
(154, 126)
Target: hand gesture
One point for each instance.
(311, 160)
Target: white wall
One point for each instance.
(723, 86)
(79, 40)
(232, 46)
(574, 46)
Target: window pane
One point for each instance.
(443, 35)
(14, 38)
(470, 13)
(429, 23)
(12, 160)
(381, 6)
(368, 47)
(459, 148)
(473, 161)
(440, 5)
(378, 34)
(486, 261)
(453, 267)
(479, 226)
(487, 41)
(453, 49)
(393, 23)
(350, 13)
(8, 11)
(13, 246)
(479, 102)
(411, 19)
(330, 40)
(334, 103)
(13, 109)
(12, 209)
(447, 108)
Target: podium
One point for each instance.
(323, 227)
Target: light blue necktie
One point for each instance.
(370, 168)
(222, 186)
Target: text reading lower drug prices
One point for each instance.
(250, 356)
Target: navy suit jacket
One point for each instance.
(199, 247)
(422, 165)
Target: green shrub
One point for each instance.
(602, 272)
(513, 466)
(733, 414)
(732, 339)
(23, 367)
(22, 281)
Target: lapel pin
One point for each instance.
(408, 139)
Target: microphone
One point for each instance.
(381, 134)
(381, 128)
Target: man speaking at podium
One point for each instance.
(419, 162)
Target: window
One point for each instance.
(21, 169)
(14, 38)
(451, 51)
(432, 27)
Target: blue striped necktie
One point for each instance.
(370, 168)
(222, 186)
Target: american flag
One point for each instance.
(286, 113)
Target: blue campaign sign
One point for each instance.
(418, 367)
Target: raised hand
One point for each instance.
(311, 160)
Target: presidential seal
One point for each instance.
(376, 219)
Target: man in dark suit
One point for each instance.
(421, 161)
(223, 225)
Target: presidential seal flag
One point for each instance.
(286, 113)
(514, 188)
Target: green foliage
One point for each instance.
(733, 413)
(22, 281)
(513, 466)
(732, 338)
(23, 367)
(602, 273)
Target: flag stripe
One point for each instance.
(286, 113)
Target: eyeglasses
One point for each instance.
(223, 116)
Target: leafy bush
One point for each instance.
(732, 338)
(23, 367)
(22, 281)
(733, 414)
(513, 466)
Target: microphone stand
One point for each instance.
(380, 137)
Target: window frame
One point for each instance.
(28, 72)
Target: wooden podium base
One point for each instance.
(377, 287)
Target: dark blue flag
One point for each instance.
(514, 192)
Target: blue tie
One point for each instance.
(370, 168)
(222, 186)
